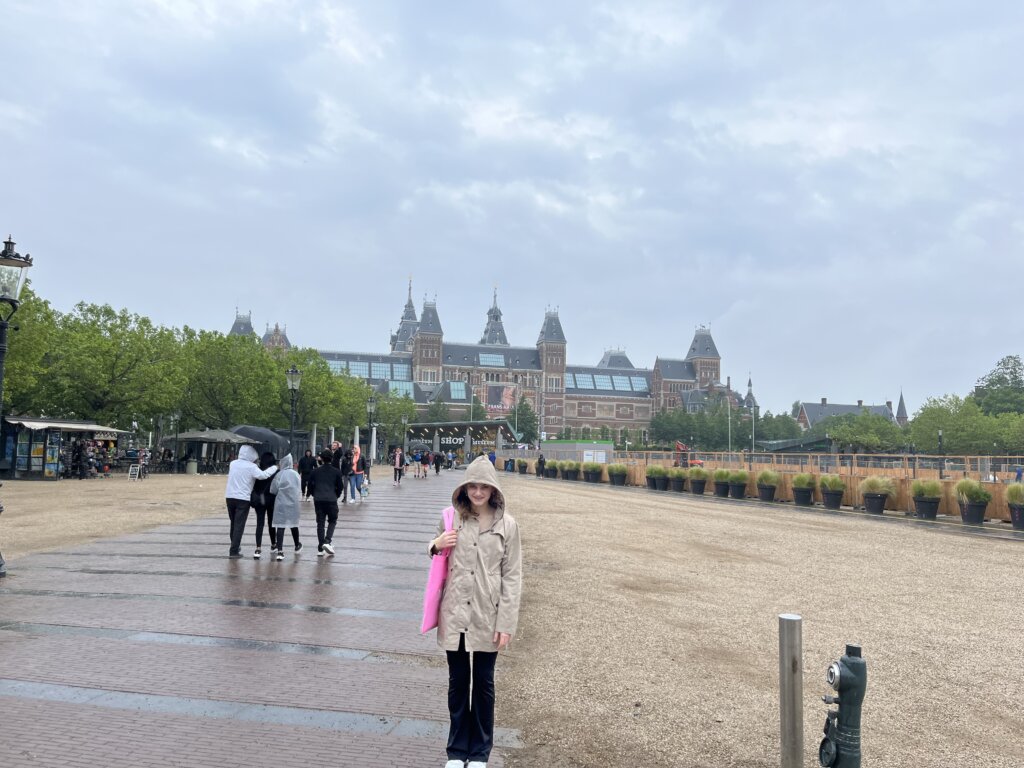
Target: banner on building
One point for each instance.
(501, 399)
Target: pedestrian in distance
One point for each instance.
(540, 465)
(399, 466)
(425, 463)
(438, 461)
(242, 476)
(286, 488)
(479, 608)
(263, 505)
(1020, 474)
(306, 466)
(326, 486)
(346, 474)
(355, 479)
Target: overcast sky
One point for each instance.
(833, 187)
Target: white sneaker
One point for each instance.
(328, 548)
(454, 764)
(320, 552)
(256, 555)
(280, 555)
(476, 764)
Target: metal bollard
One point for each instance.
(791, 690)
(849, 678)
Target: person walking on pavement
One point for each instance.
(242, 475)
(346, 476)
(438, 461)
(263, 505)
(355, 479)
(326, 486)
(399, 466)
(479, 608)
(306, 466)
(286, 488)
(540, 465)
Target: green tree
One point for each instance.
(28, 355)
(477, 412)
(114, 367)
(524, 418)
(781, 427)
(229, 380)
(436, 413)
(1001, 390)
(966, 430)
(390, 410)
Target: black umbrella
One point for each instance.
(268, 439)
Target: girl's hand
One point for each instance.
(446, 540)
(502, 638)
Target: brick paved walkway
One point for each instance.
(154, 649)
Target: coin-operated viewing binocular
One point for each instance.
(849, 678)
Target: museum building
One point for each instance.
(613, 397)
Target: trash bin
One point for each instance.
(191, 467)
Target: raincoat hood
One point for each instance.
(286, 462)
(481, 471)
(248, 453)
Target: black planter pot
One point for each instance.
(652, 483)
(697, 486)
(1017, 516)
(722, 489)
(571, 474)
(617, 479)
(590, 476)
(550, 472)
(831, 499)
(678, 484)
(973, 512)
(661, 483)
(737, 490)
(926, 508)
(766, 493)
(803, 497)
(874, 503)
(522, 469)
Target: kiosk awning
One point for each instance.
(64, 426)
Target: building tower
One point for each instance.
(707, 363)
(749, 402)
(551, 348)
(242, 325)
(277, 338)
(901, 412)
(494, 332)
(401, 340)
(426, 346)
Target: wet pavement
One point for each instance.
(155, 649)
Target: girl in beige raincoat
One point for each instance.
(479, 608)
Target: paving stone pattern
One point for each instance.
(155, 649)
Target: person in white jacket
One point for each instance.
(242, 474)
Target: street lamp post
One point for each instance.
(942, 459)
(294, 377)
(371, 409)
(405, 434)
(12, 276)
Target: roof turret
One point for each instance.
(615, 358)
(552, 328)
(242, 325)
(494, 332)
(703, 345)
(429, 321)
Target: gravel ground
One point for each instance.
(649, 630)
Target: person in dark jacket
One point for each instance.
(346, 476)
(263, 504)
(540, 465)
(306, 466)
(325, 485)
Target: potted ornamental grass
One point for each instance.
(570, 470)
(738, 484)
(1015, 501)
(721, 480)
(767, 481)
(927, 495)
(973, 500)
(521, 466)
(698, 477)
(677, 479)
(876, 490)
(657, 478)
(803, 489)
(551, 469)
(617, 474)
(592, 471)
(832, 489)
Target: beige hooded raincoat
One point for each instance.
(481, 593)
